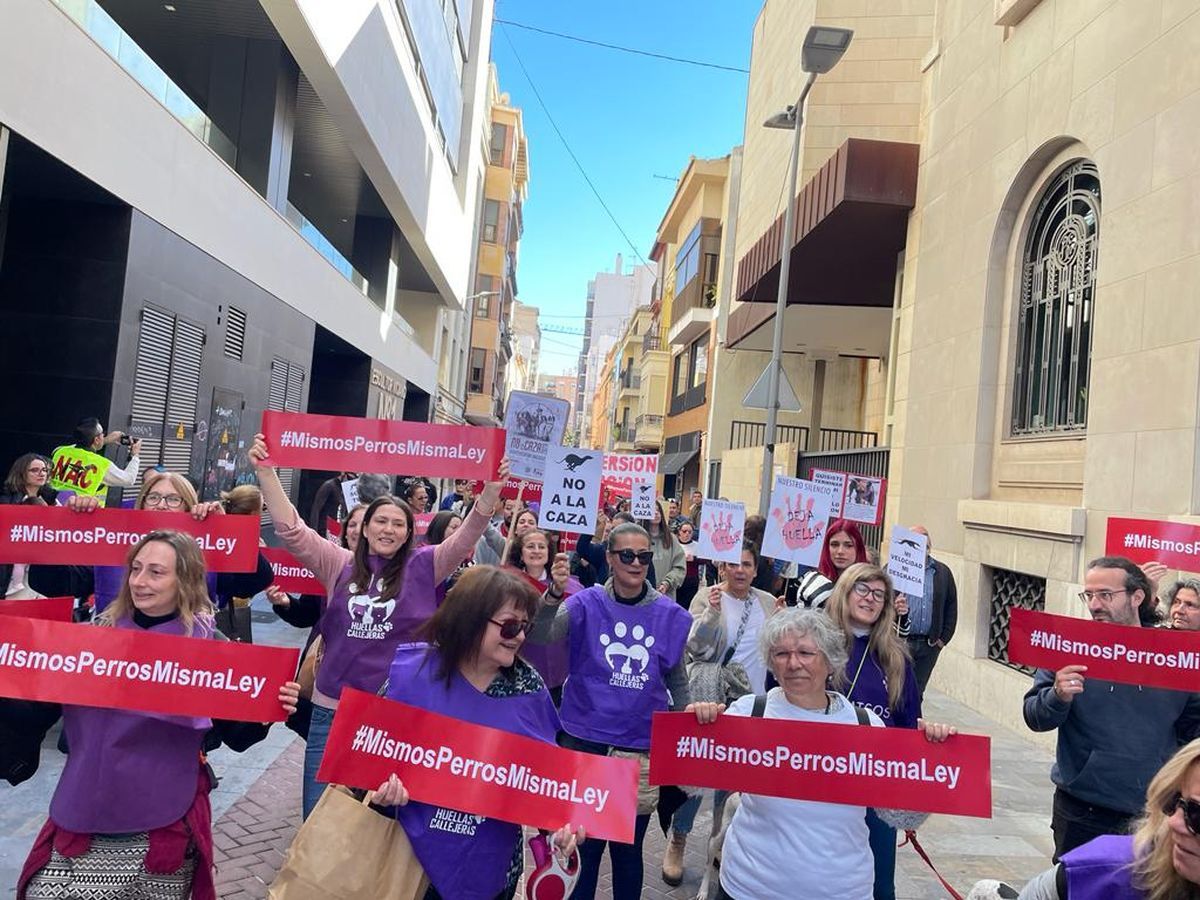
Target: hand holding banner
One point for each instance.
(797, 520)
(55, 535)
(348, 444)
(479, 770)
(719, 538)
(835, 763)
(291, 575)
(1153, 657)
(47, 609)
(120, 668)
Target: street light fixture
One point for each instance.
(823, 47)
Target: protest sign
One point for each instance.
(55, 535)
(906, 561)
(571, 493)
(1174, 544)
(623, 470)
(1127, 654)
(291, 575)
(534, 424)
(514, 488)
(333, 531)
(722, 524)
(348, 444)
(644, 498)
(797, 520)
(421, 523)
(480, 770)
(836, 481)
(48, 609)
(863, 499)
(824, 763)
(121, 668)
(350, 493)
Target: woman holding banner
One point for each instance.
(130, 816)
(880, 678)
(530, 555)
(825, 845)
(470, 669)
(377, 597)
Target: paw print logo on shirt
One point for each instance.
(627, 649)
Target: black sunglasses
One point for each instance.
(628, 557)
(510, 628)
(1191, 811)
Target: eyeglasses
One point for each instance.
(1104, 597)
(877, 595)
(37, 470)
(1191, 811)
(510, 628)
(170, 501)
(629, 557)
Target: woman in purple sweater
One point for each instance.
(880, 678)
(377, 597)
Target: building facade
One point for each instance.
(501, 222)
(526, 342)
(217, 209)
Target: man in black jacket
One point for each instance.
(933, 617)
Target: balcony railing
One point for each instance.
(321, 244)
(630, 380)
(831, 440)
(652, 340)
(696, 294)
(113, 40)
(623, 434)
(648, 422)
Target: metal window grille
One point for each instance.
(235, 333)
(1009, 590)
(1054, 325)
(284, 393)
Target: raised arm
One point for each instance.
(449, 554)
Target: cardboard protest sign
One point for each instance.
(571, 491)
(534, 424)
(485, 771)
(350, 493)
(825, 763)
(906, 561)
(623, 470)
(350, 444)
(836, 481)
(722, 524)
(644, 498)
(863, 499)
(797, 520)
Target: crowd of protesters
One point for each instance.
(488, 617)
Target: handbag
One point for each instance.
(307, 675)
(347, 851)
(723, 680)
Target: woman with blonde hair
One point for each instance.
(879, 678)
(144, 829)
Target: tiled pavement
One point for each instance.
(256, 813)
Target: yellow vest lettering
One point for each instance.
(79, 470)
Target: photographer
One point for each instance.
(81, 467)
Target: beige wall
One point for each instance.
(1117, 83)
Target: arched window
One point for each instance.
(1054, 325)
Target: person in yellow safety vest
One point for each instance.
(82, 468)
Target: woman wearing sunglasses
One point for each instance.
(879, 677)
(470, 669)
(625, 663)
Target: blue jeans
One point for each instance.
(626, 865)
(318, 736)
(685, 816)
(883, 848)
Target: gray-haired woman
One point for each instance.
(805, 651)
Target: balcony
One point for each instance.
(651, 341)
(692, 311)
(623, 437)
(831, 440)
(629, 383)
(648, 432)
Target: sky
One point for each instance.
(627, 118)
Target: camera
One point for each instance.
(126, 440)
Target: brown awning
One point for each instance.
(851, 220)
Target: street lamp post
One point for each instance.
(822, 49)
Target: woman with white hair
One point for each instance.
(805, 652)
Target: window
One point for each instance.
(491, 221)
(1054, 324)
(478, 364)
(1011, 590)
(687, 260)
(679, 383)
(698, 361)
(498, 143)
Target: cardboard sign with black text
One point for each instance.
(571, 491)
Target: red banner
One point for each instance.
(512, 489)
(1174, 544)
(291, 575)
(421, 523)
(487, 772)
(48, 609)
(826, 763)
(55, 535)
(1127, 654)
(346, 444)
(120, 668)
